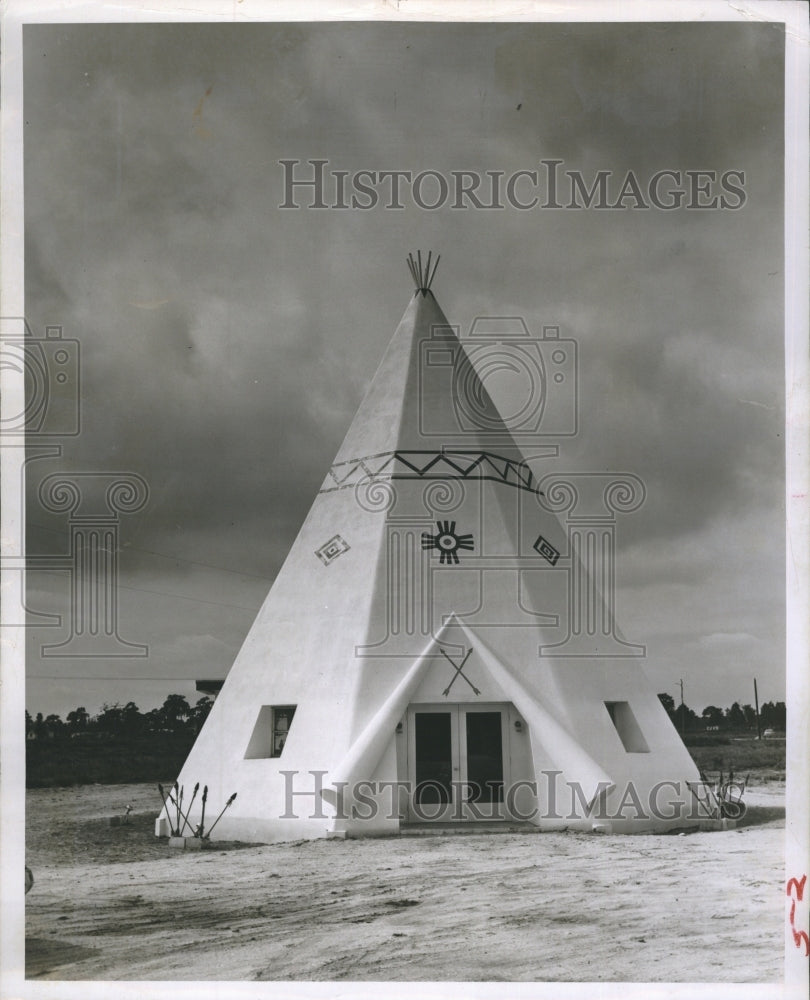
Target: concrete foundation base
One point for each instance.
(186, 843)
(464, 829)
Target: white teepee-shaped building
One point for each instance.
(439, 646)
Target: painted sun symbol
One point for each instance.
(447, 542)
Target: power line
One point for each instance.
(159, 593)
(163, 555)
(109, 677)
(195, 562)
(181, 597)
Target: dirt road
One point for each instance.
(114, 903)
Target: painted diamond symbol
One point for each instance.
(546, 550)
(330, 550)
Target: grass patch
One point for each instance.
(764, 758)
(705, 740)
(111, 761)
(120, 760)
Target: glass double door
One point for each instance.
(457, 761)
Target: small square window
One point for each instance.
(282, 720)
(270, 732)
(626, 726)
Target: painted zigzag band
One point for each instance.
(429, 465)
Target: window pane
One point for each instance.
(484, 757)
(434, 757)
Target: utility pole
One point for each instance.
(756, 709)
(683, 713)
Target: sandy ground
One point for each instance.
(116, 903)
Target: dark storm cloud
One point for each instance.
(704, 428)
(674, 94)
(226, 344)
(178, 381)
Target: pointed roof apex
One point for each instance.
(423, 276)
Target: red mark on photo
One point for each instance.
(795, 889)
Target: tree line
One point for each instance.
(738, 717)
(178, 717)
(175, 716)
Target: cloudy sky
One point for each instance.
(226, 343)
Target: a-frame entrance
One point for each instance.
(458, 762)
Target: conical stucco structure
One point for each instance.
(439, 646)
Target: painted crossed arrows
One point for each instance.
(459, 668)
